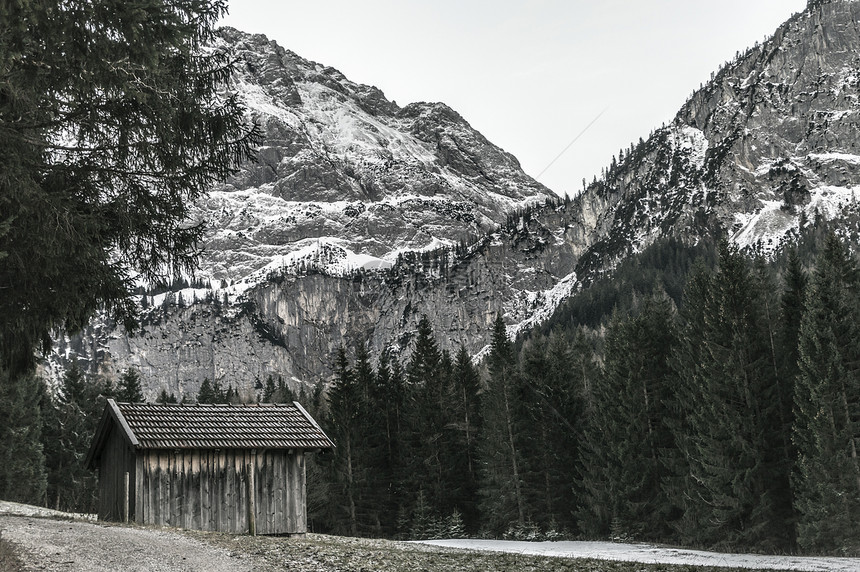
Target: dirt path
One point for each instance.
(72, 545)
(65, 545)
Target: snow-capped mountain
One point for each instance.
(346, 179)
(334, 236)
(770, 142)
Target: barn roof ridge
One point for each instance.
(210, 426)
(194, 405)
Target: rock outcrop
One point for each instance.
(361, 216)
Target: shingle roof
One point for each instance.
(263, 426)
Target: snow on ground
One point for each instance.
(645, 553)
(650, 554)
(17, 509)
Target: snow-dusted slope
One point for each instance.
(770, 143)
(347, 179)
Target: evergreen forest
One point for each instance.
(696, 396)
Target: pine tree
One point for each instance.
(153, 128)
(729, 426)
(827, 405)
(463, 458)
(22, 459)
(344, 397)
(428, 420)
(627, 437)
(128, 387)
(164, 397)
(502, 497)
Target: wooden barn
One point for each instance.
(228, 468)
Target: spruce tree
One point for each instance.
(575, 366)
(503, 500)
(269, 390)
(207, 393)
(791, 311)
(230, 396)
(320, 496)
(827, 405)
(128, 387)
(165, 398)
(283, 394)
(22, 458)
(570, 370)
(344, 410)
(627, 436)
(542, 398)
(386, 404)
(463, 453)
(368, 448)
(396, 401)
(729, 426)
(688, 374)
(115, 120)
(429, 384)
(69, 422)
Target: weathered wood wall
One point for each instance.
(117, 458)
(208, 490)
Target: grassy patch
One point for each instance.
(320, 553)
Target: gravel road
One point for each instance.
(81, 544)
(72, 545)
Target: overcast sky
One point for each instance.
(530, 76)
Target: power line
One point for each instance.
(575, 139)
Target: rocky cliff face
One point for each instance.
(361, 216)
(346, 179)
(291, 324)
(769, 143)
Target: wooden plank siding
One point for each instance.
(208, 489)
(112, 469)
(229, 468)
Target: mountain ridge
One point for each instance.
(770, 142)
(344, 167)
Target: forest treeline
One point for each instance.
(728, 419)
(697, 397)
